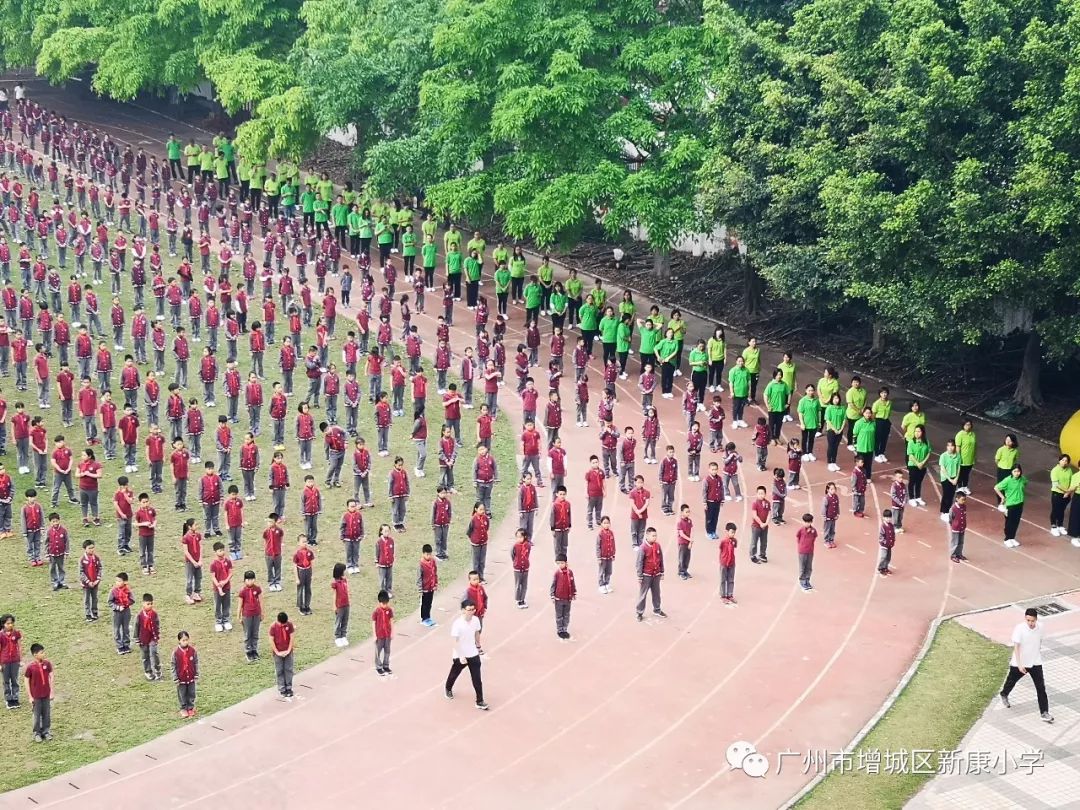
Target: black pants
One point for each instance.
(384, 252)
(667, 377)
(517, 286)
(609, 351)
(589, 335)
(964, 478)
(776, 424)
(1036, 674)
(339, 234)
(712, 516)
(832, 440)
(716, 372)
(915, 481)
(455, 285)
(698, 378)
(365, 245)
(808, 437)
(426, 598)
(881, 436)
(176, 170)
(1057, 509)
(948, 492)
(753, 386)
(474, 672)
(472, 292)
(868, 464)
(1012, 520)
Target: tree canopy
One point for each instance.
(905, 162)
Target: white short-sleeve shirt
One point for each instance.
(464, 632)
(1030, 641)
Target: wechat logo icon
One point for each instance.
(742, 756)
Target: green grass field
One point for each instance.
(950, 690)
(103, 702)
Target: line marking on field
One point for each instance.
(853, 548)
(922, 543)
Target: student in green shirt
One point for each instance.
(502, 285)
(1012, 489)
(472, 278)
(1060, 485)
(478, 244)
(272, 190)
(408, 249)
(517, 276)
(428, 254)
(559, 304)
(429, 227)
(454, 262)
(855, 399)
(367, 231)
(500, 255)
(949, 464)
(307, 207)
(647, 336)
(325, 187)
(401, 217)
(533, 295)
(918, 456)
(1005, 458)
(752, 357)
(912, 419)
(966, 445)
(628, 307)
(352, 223)
(598, 293)
(589, 318)
(452, 237)
(787, 366)
(864, 431)
(574, 289)
(678, 326)
(384, 235)
(339, 215)
(546, 275)
(221, 174)
(191, 153)
(667, 349)
(716, 347)
(609, 326)
(776, 403)
(809, 421)
(174, 150)
(623, 335)
(206, 163)
(882, 410)
(699, 372)
(739, 383)
(835, 415)
(321, 208)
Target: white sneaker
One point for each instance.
(711, 389)
(944, 517)
(623, 376)
(1076, 542)
(678, 372)
(602, 589)
(813, 457)
(418, 472)
(788, 418)
(1008, 544)
(738, 497)
(218, 628)
(228, 625)
(701, 407)
(834, 468)
(1055, 532)
(805, 457)
(851, 447)
(1001, 508)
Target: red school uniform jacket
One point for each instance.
(479, 596)
(383, 618)
(563, 586)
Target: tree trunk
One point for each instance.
(1028, 393)
(877, 343)
(751, 289)
(661, 263)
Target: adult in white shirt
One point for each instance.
(466, 634)
(1027, 660)
(20, 91)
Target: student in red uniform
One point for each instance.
(191, 547)
(120, 600)
(10, 659)
(650, 571)
(179, 461)
(33, 518)
(273, 539)
(147, 636)
(146, 527)
(251, 613)
(561, 522)
(477, 594)
(805, 538)
(185, 671)
(340, 585)
(352, 534)
(282, 646)
(427, 582)
(221, 577)
(639, 510)
(886, 541)
(382, 629)
(303, 560)
(384, 558)
(727, 564)
(684, 540)
(398, 490)
(594, 492)
(477, 532)
(90, 575)
(57, 542)
(40, 684)
(563, 593)
(210, 496)
(530, 450)
(311, 504)
(528, 503)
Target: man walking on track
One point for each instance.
(466, 634)
(1027, 660)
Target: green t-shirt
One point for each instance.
(353, 220)
(429, 251)
(243, 170)
(1060, 479)
(500, 255)
(609, 325)
(917, 452)
(1012, 489)
(517, 267)
(856, 399)
(502, 279)
(788, 370)
(367, 227)
(1005, 457)
(753, 359)
(451, 238)
(809, 412)
(835, 417)
(699, 360)
(326, 189)
(227, 149)
(322, 211)
(776, 396)
(192, 152)
(826, 387)
(533, 295)
(715, 347)
(665, 348)
(965, 445)
(479, 245)
(288, 194)
(881, 408)
(950, 466)
(272, 187)
(403, 217)
(559, 302)
(911, 421)
(546, 273)
(258, 176)
(679, 328)
(472, 269)
(174, 149)
(383, 233)
(221, 168)
(573, 288)
(589, 315)
(428, 227)
(206, 160)
(408, 243)
(864, 432)
(647, 341)
(599, 297)
(739, 381)
(340, 214)
(453, 262)
(627, 308)
(307, 201)
(622, 337)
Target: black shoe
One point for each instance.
(660, 613)
(380, 671)
(449, 694)
(387, 671)
(482, 706)
(764, 559)
(641, 617)
(1005, 700)
(755, 560)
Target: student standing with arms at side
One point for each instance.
(563, 593)
(281, 644)
(1026, 659)
(1060, 481)
(918, 457)
(965, 445)
(40, 685)
(650, 570)
(949, 463)
(1012, 491)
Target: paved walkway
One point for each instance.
(626, 715)
(1012, 759)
